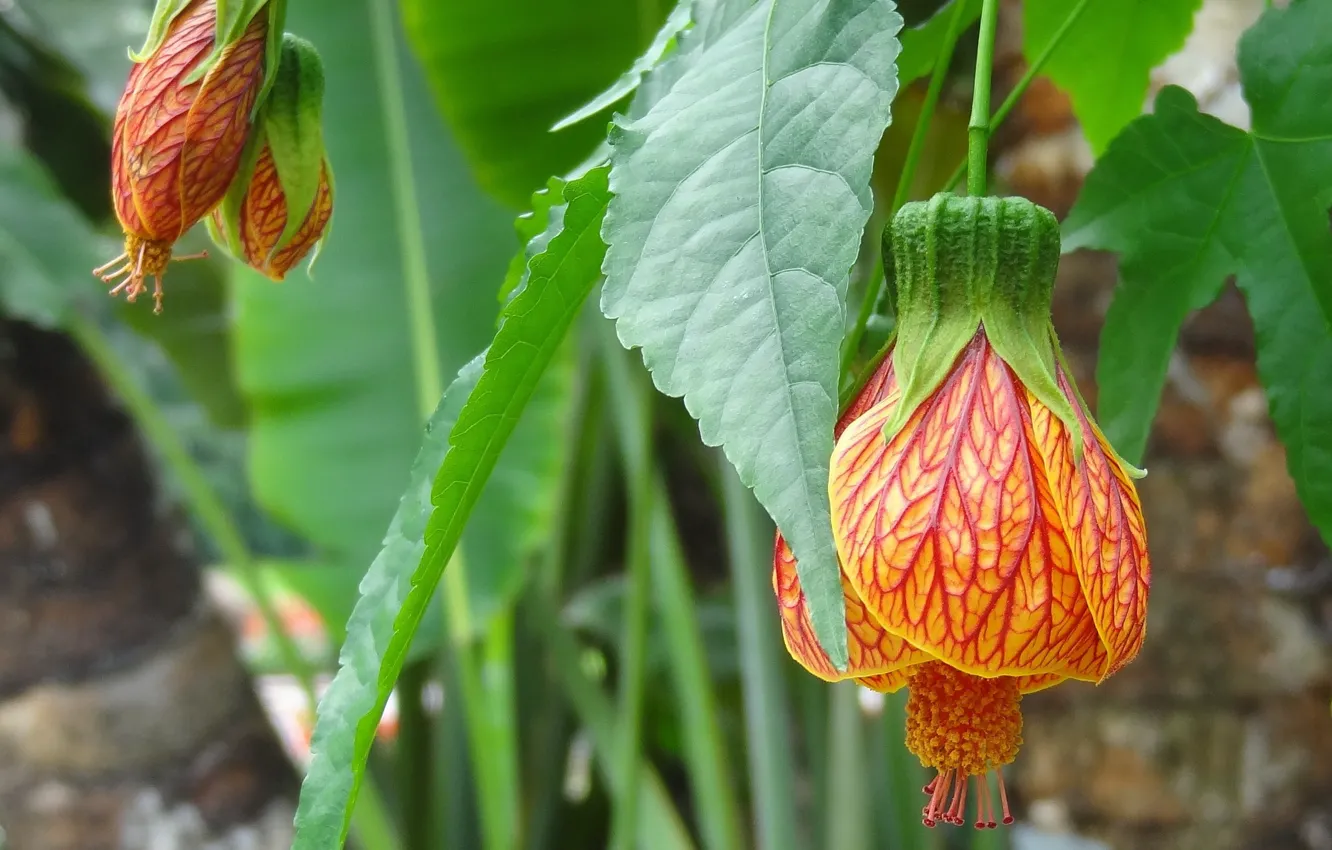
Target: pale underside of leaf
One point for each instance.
(740, 199)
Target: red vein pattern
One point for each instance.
(953, 534)
(263, 217)
(177, 146)
(1100, 506)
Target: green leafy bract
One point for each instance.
(740, 200)
(1188, 200)
(463, 441)
(1105, 61)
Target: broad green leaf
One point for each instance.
(468, 432)
(46, 247)
(504, 71)
(327, 363)
(921, 44)
(1188, 200)
(740, 199)
(1105, 61)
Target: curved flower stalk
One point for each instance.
(991, 541)
(280, 204)
(182, 125)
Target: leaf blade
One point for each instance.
(467, 434)
(736, 302)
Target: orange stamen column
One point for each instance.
(963, 726)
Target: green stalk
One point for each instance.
(1033, 71)
(373, 826)
(633, 420)
(908, 176)
(848, 799)
(749, 536)
(490, 724)
(661, 827)
(978, 131)
(415, 766)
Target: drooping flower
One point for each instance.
(182, 125)
(280, 204)
(991, 540)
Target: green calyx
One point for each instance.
(956, 264)
(293, 123)
(233, 17)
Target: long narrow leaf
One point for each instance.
(475, 419)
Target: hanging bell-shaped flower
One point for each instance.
(991, 540)
(279, 206)
(183, 123)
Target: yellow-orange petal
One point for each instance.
(1099, 505)
(950, 535)
(875, 658)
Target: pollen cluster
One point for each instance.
(962, 723)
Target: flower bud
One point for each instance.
(279, 207)
(182, 125)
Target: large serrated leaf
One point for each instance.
(464, 442)
(1105, 61)
(1188, 200)
(740, 199)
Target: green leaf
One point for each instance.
(1188, 200)
(740, 199)
(629, 80)
(1105, 61)
(504, 71)
(475, 419)
(921, 44)
(327, 364)
(46, 247)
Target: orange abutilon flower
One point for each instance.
(279, 206)
(182, 125)
(991, 540)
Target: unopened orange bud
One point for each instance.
(263, 218)
(180, 130)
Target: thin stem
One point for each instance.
(978, 131)
(632, 410)
(414, 735)
(371, 823)
(847, 799)
(908, 176)
(1033, 71)
(417, 796)
(596, 714)
(411, 241)
(766, 702)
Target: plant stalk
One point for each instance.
(1033, 71)
(978, 131)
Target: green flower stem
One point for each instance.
(978, 131)
(1033, 71)
(851, 346)
(767, 725)
(632, 414)
(372, 824)
(848, 821)
(416, 795)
